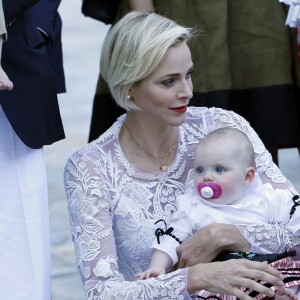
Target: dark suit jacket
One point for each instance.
(34, 64)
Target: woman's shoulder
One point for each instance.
(103, 144)
(204, 119)
(196, 112)
(201, 112)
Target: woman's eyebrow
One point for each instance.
(191, 69)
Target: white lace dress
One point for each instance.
(113, 208)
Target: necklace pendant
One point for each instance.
(163, 167)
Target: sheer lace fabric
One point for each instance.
(113, 208)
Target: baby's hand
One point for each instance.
(151, 272)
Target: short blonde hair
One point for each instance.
(133, 48)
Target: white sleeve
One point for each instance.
(278, 204)
(281, 203)
(182, 225)
(294, 223)
(280, 209)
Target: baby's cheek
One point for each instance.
(228, 189)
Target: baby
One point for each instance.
(226, 190)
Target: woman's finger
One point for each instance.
(258, 287)
(255, 274)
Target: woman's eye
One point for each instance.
(168, 82)
(220, 169)
(189, 75)
(199, 170)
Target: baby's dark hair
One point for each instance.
(242, 142)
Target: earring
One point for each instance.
(128, 97)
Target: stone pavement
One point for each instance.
(82, 39)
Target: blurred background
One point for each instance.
(82, 40)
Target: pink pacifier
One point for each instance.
(209, 190)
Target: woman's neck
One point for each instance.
(154, 137)
(148, 146)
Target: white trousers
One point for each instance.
(25, 272)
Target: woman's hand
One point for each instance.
(208, 242)
(229, 276)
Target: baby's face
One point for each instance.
(221, 165)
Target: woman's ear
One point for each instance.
(130, 96)
(250, 172)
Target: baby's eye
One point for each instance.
(220, 169)
(199, 170)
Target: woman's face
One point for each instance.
(163, 96)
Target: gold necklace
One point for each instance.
(163, 165)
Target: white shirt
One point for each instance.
(261, 204)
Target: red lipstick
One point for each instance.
(180, 109)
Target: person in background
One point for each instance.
(29, 119)
(225, 189)
(245, 61)
(130, 177)
(5, 83)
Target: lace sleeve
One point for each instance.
(269, 238)
(94, 242)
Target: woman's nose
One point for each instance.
(186, 90)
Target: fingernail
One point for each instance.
(281, 276)
(281, 283)
(271, 293)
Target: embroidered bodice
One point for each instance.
(113, 208)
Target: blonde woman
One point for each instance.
(119, 185)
